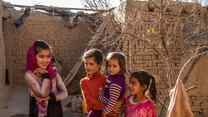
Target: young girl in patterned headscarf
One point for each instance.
(45, 84)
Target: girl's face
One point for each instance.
(91, 66)
(113, 66)
(135, 87)
(43, 58)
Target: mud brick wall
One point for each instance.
(140, 22)
(2, 48)
(67, 43)
(3, 88)
(141, 55)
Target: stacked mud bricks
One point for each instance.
(143, 23)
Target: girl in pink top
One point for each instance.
(143, 96)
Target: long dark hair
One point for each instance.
(146, 80)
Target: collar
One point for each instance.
(118, 74)
(95, 75)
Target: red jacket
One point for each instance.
(90, 87)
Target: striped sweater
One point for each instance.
(113, 91)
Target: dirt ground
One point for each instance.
(18, 103)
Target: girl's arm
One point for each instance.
(41, 91)
(115, 90)
(62, 91)
(102, 98)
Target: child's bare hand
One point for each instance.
(40, 71)
(111, 114)
(103, 114)
(42, 99)
(100, 91)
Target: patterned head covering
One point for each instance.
(31, 64)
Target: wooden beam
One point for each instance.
(60, 8)
(73, 72)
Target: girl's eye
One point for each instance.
(41, 56)
(132, 82)
(49, 56)
(44, 56)
(91, 64)
(114, 66)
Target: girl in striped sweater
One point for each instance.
(113, 93)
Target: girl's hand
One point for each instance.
(42, 99)
(40, 71)
(103, 114)
(100, 91)
(111, 114)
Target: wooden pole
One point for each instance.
(3, 88)
(60, 8)
(2, 50)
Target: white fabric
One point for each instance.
(179, 102)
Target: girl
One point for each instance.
(113, 93)
(92, 82)
(143, 95)
(45, 84)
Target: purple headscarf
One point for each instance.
(31, 64)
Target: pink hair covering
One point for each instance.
(31, 64)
